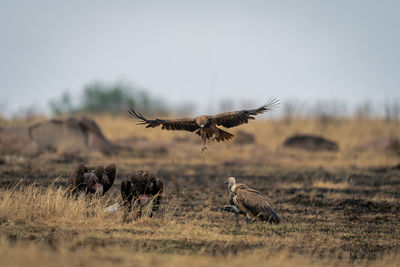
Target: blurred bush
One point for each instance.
(114, 98)
(61, 105)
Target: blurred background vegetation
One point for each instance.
(113, 98)
(117, 97)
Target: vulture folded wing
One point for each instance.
(159, 186)
(126, 187)
(158, 197)
(235, 118)
(76, 176)
(108, 177)
(175, 125)
(257, 204)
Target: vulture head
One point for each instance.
(230, 182)
(144, 187)
(85, 180)
(92, 181)
(202, 121)
(139, 190)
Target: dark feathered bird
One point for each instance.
(206, 126)
(86, 180)
(251, 202)
(140, 190)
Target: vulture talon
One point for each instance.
(203, 148)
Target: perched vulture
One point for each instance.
(251, 202)
(206, 126)
(142, 190)
(87, 181)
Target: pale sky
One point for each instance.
(201, 51)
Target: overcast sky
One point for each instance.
(201, 51)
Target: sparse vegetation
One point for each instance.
(337, 208)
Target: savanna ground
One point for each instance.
(337, 208)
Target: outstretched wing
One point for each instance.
(235, 118)
(175, 125)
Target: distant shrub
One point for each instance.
(61, 105)
(114, 98)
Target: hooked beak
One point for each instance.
(202, 125)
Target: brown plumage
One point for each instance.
(140, 190)
(251, 202)
(206, 126)
(233, 207)
(85, 180)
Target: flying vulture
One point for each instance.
(250, 202)
(206, 126)
(88, 181)
(142, 190)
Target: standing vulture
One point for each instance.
(233, 207)
(88, 181)
(142, 190)
(251, 202)
(206, 126)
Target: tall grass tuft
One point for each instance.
(36, 204)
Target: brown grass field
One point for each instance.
(337, 208)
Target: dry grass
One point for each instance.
(331, 185)
(349, 132)
(337, 208)
(31, 255)
(270, 135)
(42, 226)
(38, 205)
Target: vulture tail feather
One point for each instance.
(273, 217)
(223, 135)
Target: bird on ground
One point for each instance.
(249, 202)
(206, 125)
(141, 190)
(141, 194)
(233, 207)
(86, 181)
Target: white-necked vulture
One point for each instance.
(251, 202)
(233, 207)
(206, 126)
